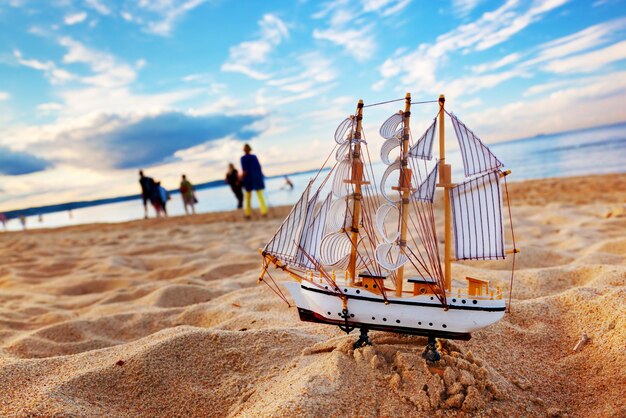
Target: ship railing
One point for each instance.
(490, 294)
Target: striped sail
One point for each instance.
(299, 237)
(345, 130)
(311, 239)
(395, 197)
(477, 158)
(385, 150)
(423, 148)
(426, 191)
(477, 217)
(284, 243)
(393, 127)
(390, 256)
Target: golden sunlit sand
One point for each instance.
(164, 317)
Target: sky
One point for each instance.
(91, 91)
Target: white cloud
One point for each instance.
(52, 72)
(493, 28)
(585, 102)
(385, 7)
(223, 104)
(357, 42)
(346, 25)
(4, 96)
(546, 87)
(502, 62)
(244, 56)
(584, 40)
(473, 84)
(168, 11)
(75, 18)
(47, 108)
(98, 6)
(314, 70)
(417, 70)
(127, 16)
(462, 8)
(471, 103)
(96, 100)
(589, 62)
(572, 53)
(108, 71)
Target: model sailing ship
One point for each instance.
(366, 255)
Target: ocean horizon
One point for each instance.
(597, 150)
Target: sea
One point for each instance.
(589, 151)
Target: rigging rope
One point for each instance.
(276, 290)
(399, 100)
(508, 203)
(425, 101)
(382, 103)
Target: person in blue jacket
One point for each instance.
(252, 179)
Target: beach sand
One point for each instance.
(165, 318)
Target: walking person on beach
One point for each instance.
(188, 195)
(252, 179)
(147, 184)
(288, 184)
(159, 197)
(232, 178)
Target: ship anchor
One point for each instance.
(346, 328)
(363, 339)
(430, 353)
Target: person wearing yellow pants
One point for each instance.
(252, 180)
(248, 203)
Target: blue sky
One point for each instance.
(93, 90)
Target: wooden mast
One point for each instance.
(404, 187)
(357, 180)
(445, 181)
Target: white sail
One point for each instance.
(426, 191)
(335, 250)
(477, 158)
(386, 149)
(390, 257)
(345, 130)
(391, 127)
(339, 215)
(477, 214)
(284, 243)
(311, 239)
(343, 151)
(423, 148)
(383, 183)
(342, 172)
(381, 216)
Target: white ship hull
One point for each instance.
(419, 315)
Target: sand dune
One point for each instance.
(165, 318)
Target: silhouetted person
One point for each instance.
(23, 221)
(147, 184)
(188, 195)
(158, 198)
(252, 179)
(288, 183)
(232, 178)
(165, 196)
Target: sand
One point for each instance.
(165, 318)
